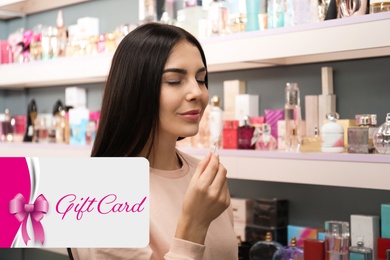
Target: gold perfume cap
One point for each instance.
(215, 101)
(293, 241)
(268, 237)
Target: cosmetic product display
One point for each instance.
(337, 240)
(381, 137)
(360, 252)
(32, 113)
(292, 117)
(265, 141)
(264, 250)
(360, 138)
(245, 135)
(215, 122)
(314, 249)
(290, 252)
(378, 6)
(332, 135)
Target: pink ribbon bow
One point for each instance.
(21, 210)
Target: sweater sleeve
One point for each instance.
(183, 249)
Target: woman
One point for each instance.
(156, 93)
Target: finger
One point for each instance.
(211, 170)
(202, 165)
(220, 178)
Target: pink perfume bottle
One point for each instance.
(245, 135)
(230, 134)
(291, 252)
(264, 250)
(265, 141)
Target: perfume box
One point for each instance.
(78, 121)
(231, 88)
(258, 233)
(272, 117)
(270, 212)
(366, 227)
(311, 114)
(5, 53)
(314, 249)
(301, 233)
(88, 26)
(75, 97)
(383, 247)
(247, 105)
(242, 210)
(321, 235)
(385, 220)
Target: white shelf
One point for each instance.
(340, 39)
(370, 171)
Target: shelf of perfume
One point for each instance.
(20, 149)
(342, 169)
(339, 39)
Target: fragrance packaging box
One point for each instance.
(76, 97)
(366, 228)
(247, 105)
(270, 212)
(385, 220)
(383, 248)
(301, 233)
(314, 249)
(231, 88)
(242, 210)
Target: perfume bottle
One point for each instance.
(360, 252)
(311, 144)
(291, 252)
(264, 250)
(265, 141)
(337, 240)
(230, 134)
(215, 122)
(332, 135)
(245, 135)
(360, 138)
(32, 113)
(7, 127)
(292, 117)
(62, 37)
(381, 137)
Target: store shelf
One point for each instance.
(368, 171)
(340, 39)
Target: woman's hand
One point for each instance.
(206, 198)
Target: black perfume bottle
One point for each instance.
(32, 113)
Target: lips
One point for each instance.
(192, 115)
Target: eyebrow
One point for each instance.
(181, 71)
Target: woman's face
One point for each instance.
(184, 95)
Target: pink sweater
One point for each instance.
(167, 190)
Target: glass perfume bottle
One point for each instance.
(245, 135)
(337, 240)
(32, 113)
(265, 141)
(264, 250)
(381, 137)
(292, 117)
(290, 252)
(332, 135)
(360, 252)
(360, 138)
(311, 144)
(7, 127)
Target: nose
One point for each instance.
(195, 91)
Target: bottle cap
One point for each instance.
(215, 101)
(292, 94)
(366, 119)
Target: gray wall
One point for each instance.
(3, 30)
(361, 86)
